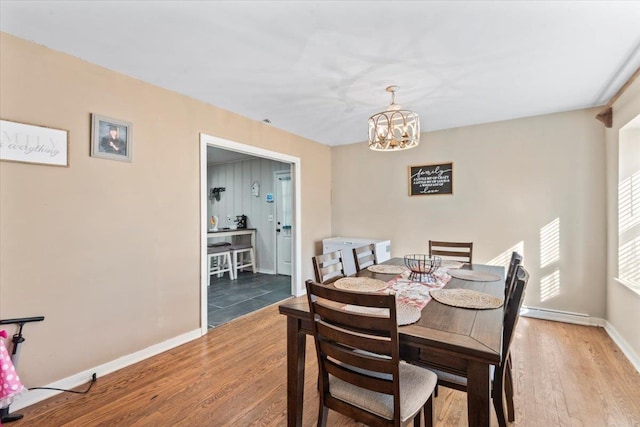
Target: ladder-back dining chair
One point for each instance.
(359, 368)
(364, 256)
(500, 390)
(456, 251)
(328, 267)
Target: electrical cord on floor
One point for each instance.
(93, 380)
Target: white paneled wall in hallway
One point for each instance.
(237, 199)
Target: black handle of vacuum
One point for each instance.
(22, 320)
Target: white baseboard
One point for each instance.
(584, 319)
(30, 397)
(626, 349)
(561, 316)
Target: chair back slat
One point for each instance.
(328, 267)
(354, 339)
(353, 321)
(358, 359)
(364, 256)
(460, 251)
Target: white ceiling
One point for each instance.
(319, 68)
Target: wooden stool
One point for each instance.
(240, 261)
(219, 262)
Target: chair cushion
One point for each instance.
(238, 246)
(218, 250)
(214, 245)
(416, 385)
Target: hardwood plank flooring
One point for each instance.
(565, 375)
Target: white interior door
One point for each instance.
(284, 222)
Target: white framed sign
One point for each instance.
(20, 142)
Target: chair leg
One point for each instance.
(253, 260)
(209, 259)
(322, 415)
(508, 389)
(417, 418)
(229, 266)
(498, 398)
(429, 412)
(234, 263)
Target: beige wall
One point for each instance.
(511, 179)
(108, 251)
(623, 304)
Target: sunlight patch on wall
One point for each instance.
(504, 258)
(550, 286)
(549, 259)
(550, 243)
(629, 261)
(629, 203)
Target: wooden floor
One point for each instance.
(566, 375)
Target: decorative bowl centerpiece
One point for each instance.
(422, 266)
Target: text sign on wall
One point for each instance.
(20, 142)
(431, 179)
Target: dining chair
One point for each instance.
(516, 260)
(457, 251)
(364, 256)
(328, 267)
(359, 368)
(499, 393)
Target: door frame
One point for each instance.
(295, 169)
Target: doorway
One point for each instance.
(293, 216)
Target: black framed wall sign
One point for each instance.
(427, 180)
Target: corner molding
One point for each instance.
(29, 398)
(606, 115)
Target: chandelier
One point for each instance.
(394, 129)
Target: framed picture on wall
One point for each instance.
(111, 138)
(433, 179)
(26, 143)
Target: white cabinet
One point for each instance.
(346, 244)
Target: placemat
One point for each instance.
(406, 313)
(447, 263)
(466, 298)
(387, 269)
(360, 284)
(474, 275)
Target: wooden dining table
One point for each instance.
(457, 340)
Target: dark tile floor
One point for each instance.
(229, 299)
